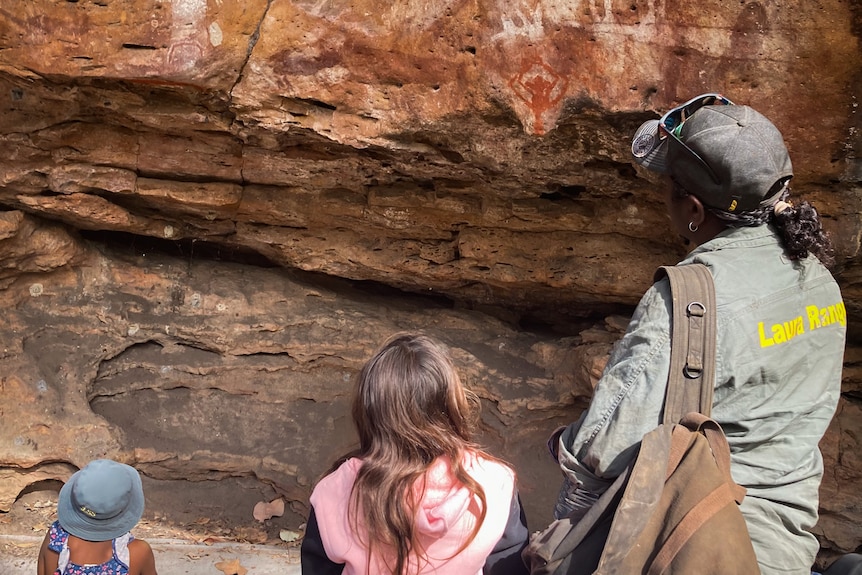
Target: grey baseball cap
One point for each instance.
(729, 156)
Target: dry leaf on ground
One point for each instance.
(264, 510)
(231, 567)
(289, 536)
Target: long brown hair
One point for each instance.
(409, 409)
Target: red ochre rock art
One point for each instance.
(540, 88)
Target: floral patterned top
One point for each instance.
(118, 564)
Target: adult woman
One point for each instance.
(418, 496)
(781, 328)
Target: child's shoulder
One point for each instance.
(141, 558)
(480, 466)
(346, 472)
(139, 547)
(339, 482)
(482, 459)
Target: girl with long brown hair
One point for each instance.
(418, 495)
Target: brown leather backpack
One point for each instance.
(675, 509)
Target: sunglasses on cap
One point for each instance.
(671, 123)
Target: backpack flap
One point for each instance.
(718, 445)
(641, 497)
(679, 513)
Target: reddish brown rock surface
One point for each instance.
(170, 170)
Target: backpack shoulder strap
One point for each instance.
(692, 361)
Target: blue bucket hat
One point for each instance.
(102, 501)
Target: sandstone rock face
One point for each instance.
(171, 169)
(200, 372)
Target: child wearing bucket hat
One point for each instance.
(96, 511)
(780, 337)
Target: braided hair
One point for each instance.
(798, 224)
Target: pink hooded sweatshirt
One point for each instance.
(445, 518)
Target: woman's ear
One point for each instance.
(703, 224)
(697, 211)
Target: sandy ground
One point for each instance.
(202, 546)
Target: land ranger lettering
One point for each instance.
(813, 318)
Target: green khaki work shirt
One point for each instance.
(781, 330)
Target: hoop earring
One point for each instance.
(691, 227)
